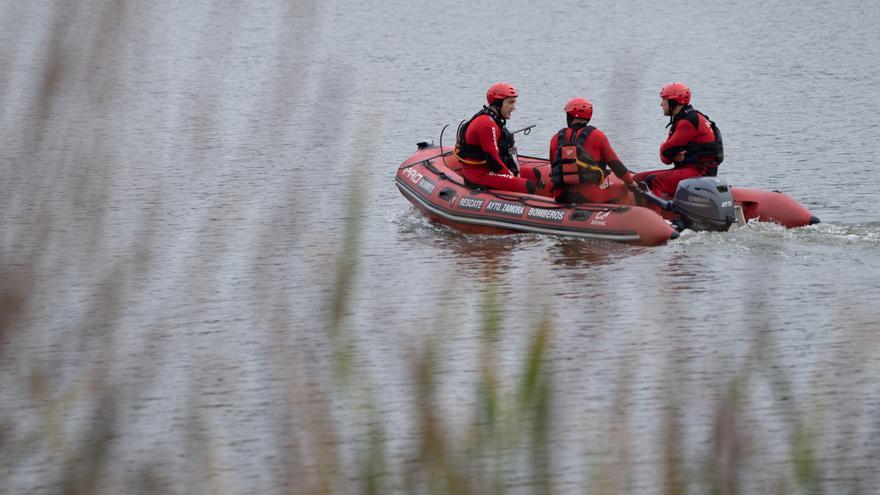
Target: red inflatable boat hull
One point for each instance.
(772, 206)
(430, 181)
(439, 192)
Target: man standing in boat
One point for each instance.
(485, 147)
(694, 143)
(580, 156)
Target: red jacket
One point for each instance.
(597, 146)
(599, 149)
(484, 132)
(683, 133)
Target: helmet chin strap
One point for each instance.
(569, 119)
(495, 110)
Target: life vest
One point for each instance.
(572, 164)
(472, 154)
(705, 155)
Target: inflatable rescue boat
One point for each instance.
(429, 179)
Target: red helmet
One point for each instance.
(677, 92)
(500, 91)
(579, 108)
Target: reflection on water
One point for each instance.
(191, 299)
(577, 253)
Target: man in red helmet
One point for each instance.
(485, 147)
(580, 156)
(694, 143)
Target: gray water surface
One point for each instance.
(177, 180)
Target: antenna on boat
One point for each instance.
(442, 153)
(525, 130)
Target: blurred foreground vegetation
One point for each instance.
(504, 444)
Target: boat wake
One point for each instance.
(819, 234)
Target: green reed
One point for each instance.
(508, 431)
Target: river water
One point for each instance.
(196, 196)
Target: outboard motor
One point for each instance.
(705, 203)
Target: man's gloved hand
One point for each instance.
(511, 165)
(679, 158)
(512, 162)
(641, 186)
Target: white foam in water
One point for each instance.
(849, 233)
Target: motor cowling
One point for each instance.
(705, 203)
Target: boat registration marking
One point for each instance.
(413, 175)
(467, 203)
(546, 214)
(505, 208)
(426, 185)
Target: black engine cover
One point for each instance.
(705, 203)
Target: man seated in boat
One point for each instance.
(580, 156)
(485, 147)
(693, 144)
